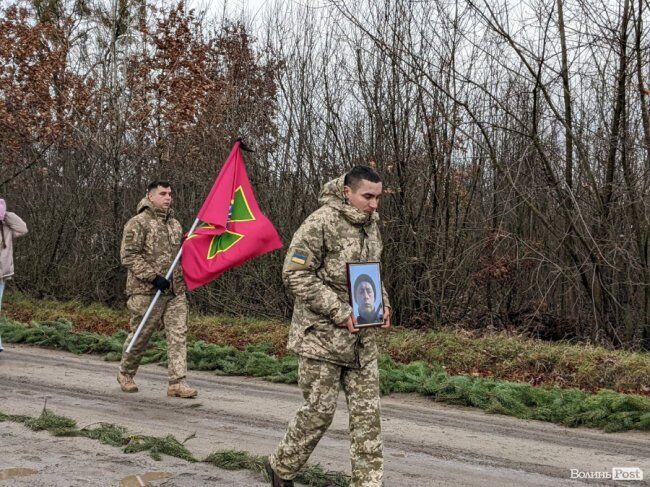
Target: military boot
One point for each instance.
(181, 389)
(274, 478)
(126, 382)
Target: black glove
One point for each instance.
(161, 283)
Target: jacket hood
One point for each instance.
(145, 205)
(332, 195)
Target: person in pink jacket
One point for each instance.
(11, 226)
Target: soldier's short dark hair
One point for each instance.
(360, 280)
(154, 184)
(358, 174)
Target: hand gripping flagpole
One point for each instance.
(171, 269)
(155, 298)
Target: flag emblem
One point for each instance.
(234, 229)
(240, 210)
(298, 258)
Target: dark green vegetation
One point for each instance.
(105, 433)
(494, 355)
(608, 410)
(311, 475)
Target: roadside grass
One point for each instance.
(520, 359)
(491, 355)
(607, 410)
(118, 436)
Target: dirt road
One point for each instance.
(426, 443)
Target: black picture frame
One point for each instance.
(365, 277)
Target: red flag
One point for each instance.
(234, 229)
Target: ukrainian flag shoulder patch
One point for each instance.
(299, 258)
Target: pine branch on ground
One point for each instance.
(105, 433)
(118, 436)
(311, 475)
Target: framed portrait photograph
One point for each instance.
(366, 297)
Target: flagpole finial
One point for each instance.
(243, 145)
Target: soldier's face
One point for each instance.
(365, 298)
(160, 197)
(365, 197)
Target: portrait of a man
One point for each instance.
(365, 294)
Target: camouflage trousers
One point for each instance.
(320, 382)
(170, 311)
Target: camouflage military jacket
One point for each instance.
(315, 274)
(150, 243)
